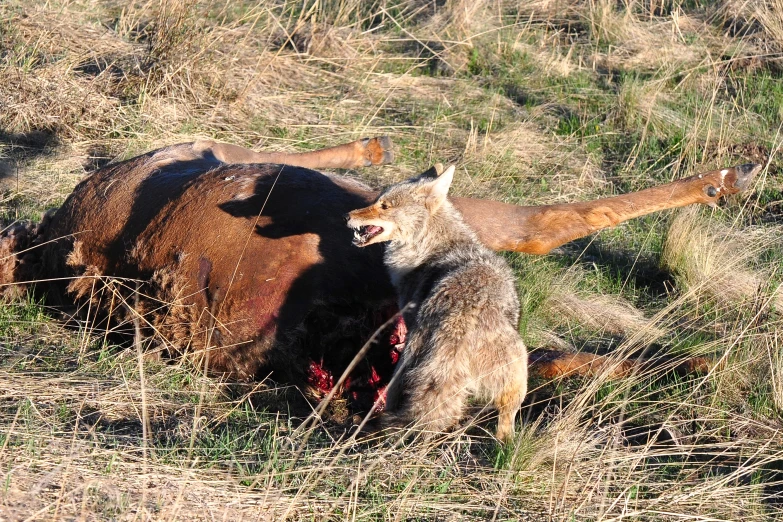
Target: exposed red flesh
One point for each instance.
(319, 377)
(370, 386)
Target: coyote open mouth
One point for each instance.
(363, 234)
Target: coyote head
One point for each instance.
(402, 210)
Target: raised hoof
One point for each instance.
(745, 174)
(378, 151)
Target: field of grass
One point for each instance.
(536, 102)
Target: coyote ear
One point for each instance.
(438, 189)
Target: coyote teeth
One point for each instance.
(364, 233)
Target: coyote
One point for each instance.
(459, 303)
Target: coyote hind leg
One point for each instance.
(431, 396)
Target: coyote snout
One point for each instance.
(397, 215)
(462, 325)
(369, 226)
(373, 224)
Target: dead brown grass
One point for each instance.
(82, 82)
(715, 261)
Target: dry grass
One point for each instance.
(716, 261)
(537, 102)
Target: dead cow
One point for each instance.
(243, 259)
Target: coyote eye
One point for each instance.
(384, 205)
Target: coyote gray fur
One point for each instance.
(459, 303)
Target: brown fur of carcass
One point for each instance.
(230, 257)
